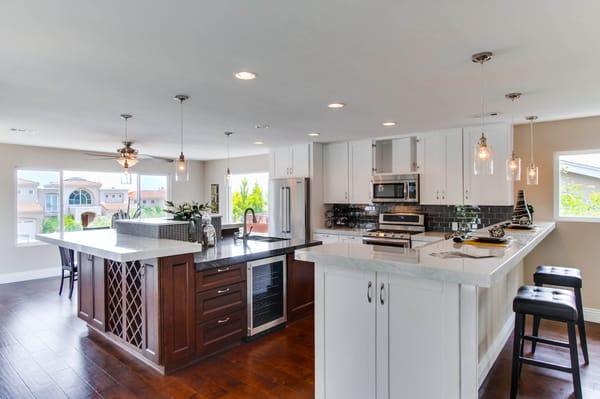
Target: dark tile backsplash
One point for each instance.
(437, 217)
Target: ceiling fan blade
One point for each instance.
(100, 159)
(147, 156)
(101, 154)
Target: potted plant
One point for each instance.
(189, 211)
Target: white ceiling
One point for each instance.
(70, 67)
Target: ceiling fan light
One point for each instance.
(182, 171)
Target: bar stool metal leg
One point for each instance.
(574, 360)
(581, 325)
(516, 362)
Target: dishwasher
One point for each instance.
(267, 294)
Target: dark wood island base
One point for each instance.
(169, 315)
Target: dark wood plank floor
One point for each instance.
(45, 352)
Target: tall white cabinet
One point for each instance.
(373, 342)
(347, 172)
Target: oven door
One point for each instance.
(390, 191)
(390, 242)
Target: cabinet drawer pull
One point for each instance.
(225, 320)
(226, 290)
(369, 294)
(225, 269)
(381, 294)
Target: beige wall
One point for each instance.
(42, 259)
(573, 243)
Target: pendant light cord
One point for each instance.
(181, 120)
(126, 139)
(531, 140)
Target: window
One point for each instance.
(153, 194)
(51, 205)
(34, 216)
(80, 197)
(577, 186)
(250, 191)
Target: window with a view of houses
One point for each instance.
(89, 200)
(577, 196)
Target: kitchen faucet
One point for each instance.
(246, 234)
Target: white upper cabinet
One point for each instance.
(290, 162)
(361, 171)
(441, 179)
(492, 189)
(396, 156)
(335, 173)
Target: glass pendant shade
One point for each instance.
(483, 158)
(125, 176)
(130, 161)
(513, 168)
(182, 171)
(533, 175)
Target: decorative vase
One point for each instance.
(192, 232)
(521, 214)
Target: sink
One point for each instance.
(266, 239)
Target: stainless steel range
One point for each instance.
(395, 229)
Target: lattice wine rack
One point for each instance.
(124, 293)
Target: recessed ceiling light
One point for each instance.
(336, 105)
(263, 126)
(259, 142)
(19, 130)
(245, 75)
(389, 124)
(314, 134)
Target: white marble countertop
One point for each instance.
(429, 236)
(342, 231)
(152, 221)
(120, 247)
(419, 262)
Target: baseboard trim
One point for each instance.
(6, 278)
(591, 315)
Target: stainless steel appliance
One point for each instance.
(395, 188)
(267, 294)
(395, 229)
(289, 210)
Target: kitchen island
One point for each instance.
(413, 323)
(170, 303)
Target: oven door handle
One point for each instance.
(374, 240)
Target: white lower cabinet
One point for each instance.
(384, 336)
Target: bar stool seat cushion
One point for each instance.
(557, 275)
(550, 303)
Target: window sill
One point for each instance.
(577, 219)
(30, 244)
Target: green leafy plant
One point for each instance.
(186, 210)
(244, 198)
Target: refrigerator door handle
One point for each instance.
(289, 210)
(281, 207)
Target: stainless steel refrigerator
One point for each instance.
(289, 213)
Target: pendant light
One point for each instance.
(513, 164)
(483, 162)
(182, 171)
(533, 173)
(228, 171)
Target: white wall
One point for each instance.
(39, 261)
(214, 173)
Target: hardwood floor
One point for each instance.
(45, 352)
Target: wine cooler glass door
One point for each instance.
(266, 294)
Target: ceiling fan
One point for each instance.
(126, 156)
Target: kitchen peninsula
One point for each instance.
(413, 323)
(170, 303)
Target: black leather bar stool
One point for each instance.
(552, 304)
(67, 259)
(562, 277)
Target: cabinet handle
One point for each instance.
(369, 294)
(381, 293)
(437, 195)
(226, 290)
(467, 194)
(90, 257)
(225, 320)
(225, 269)
(346, 195)
(443, 194)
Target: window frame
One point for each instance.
(60, 211)
(556, 188)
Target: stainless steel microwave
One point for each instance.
(395, 188)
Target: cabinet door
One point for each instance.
(300, 161)
(178, 309)
(281, 163)
(410, 336)
(85, 289)
(483, 189)
(335, 173)
(300, 288)
(403, 155)
(433, 176)
(361, 171)
(150, 311)
(326, 238)
(453, 189)
(347, 333)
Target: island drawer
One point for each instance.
(220, 301)
(219, 276)
(220, 333)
